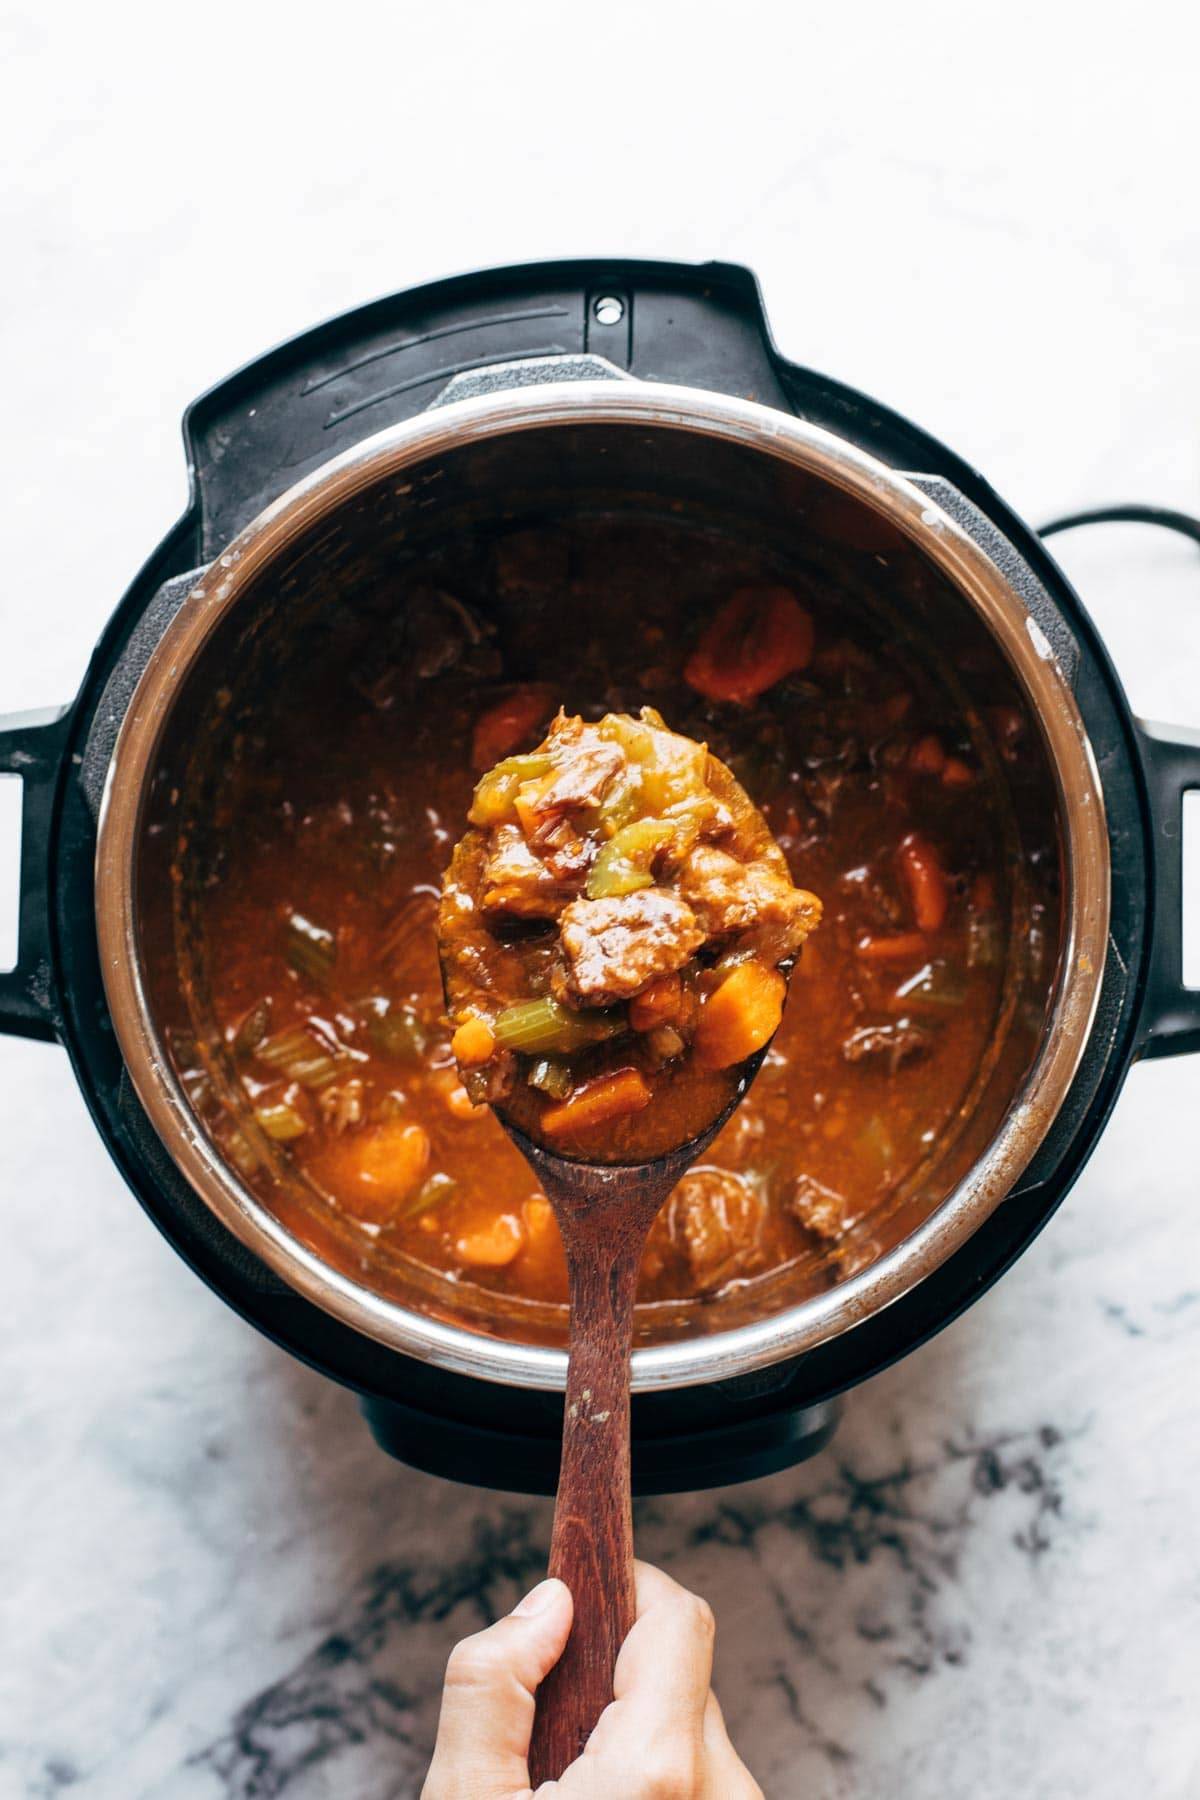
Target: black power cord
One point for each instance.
(1182, 522)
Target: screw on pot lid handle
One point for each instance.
(1170, 1022)
(31, 746)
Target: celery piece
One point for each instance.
(395, 1028)
(624, 863)
(438, 1187)
(985, 941)
(281, 1121)
(623, 801)
(310, 949)
(613, 874)
(302, 1056)
(936, 986)
(253, 1029)
(241, 1152)
(537, 1026)
(550, 1076)
(687, 819)
(495, 795)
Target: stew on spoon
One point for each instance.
(613, 928)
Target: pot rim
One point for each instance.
(719, 1355)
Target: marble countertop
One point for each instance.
(213, 1586)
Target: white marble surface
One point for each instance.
(211, 1586)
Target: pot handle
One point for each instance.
(31, 746)
(1170, 1021)
(1170, 1018)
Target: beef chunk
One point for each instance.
(517, 882)
(718, 887)
(820, 1209)
(756, 898)
(586, 767)
(584, 779)
(615, 947)
(716, 1220)
(892, 1043)
(567, 855)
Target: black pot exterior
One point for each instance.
(283, 416)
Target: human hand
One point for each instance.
(662, 1738)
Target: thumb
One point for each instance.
(482, 1747)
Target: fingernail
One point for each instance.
(536, 1600)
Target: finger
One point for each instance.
(726, 1775)
(714, 1719)
(650, 1739)
(618, 1761)
(661, 1680)
(666, 1661)
(482, 1747)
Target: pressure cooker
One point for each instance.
(470, 398)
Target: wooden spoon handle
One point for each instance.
(592, 1545)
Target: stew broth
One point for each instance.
(337, 819)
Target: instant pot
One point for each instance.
(627, 383)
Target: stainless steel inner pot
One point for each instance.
(530, 453)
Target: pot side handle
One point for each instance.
(1170, 1020)
(31, 746)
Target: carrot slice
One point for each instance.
(658, 1004)
(927, 756)
(898, 945)
(538, 1215)
(928, 893)
(473, 1043)
(495, 1245)
(379, 1167)
(505, 726)
(758, 637)
(957, 773)
(611, 1097)
(740, 1017)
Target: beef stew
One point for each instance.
(334, 818)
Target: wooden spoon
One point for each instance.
(604, 1213)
